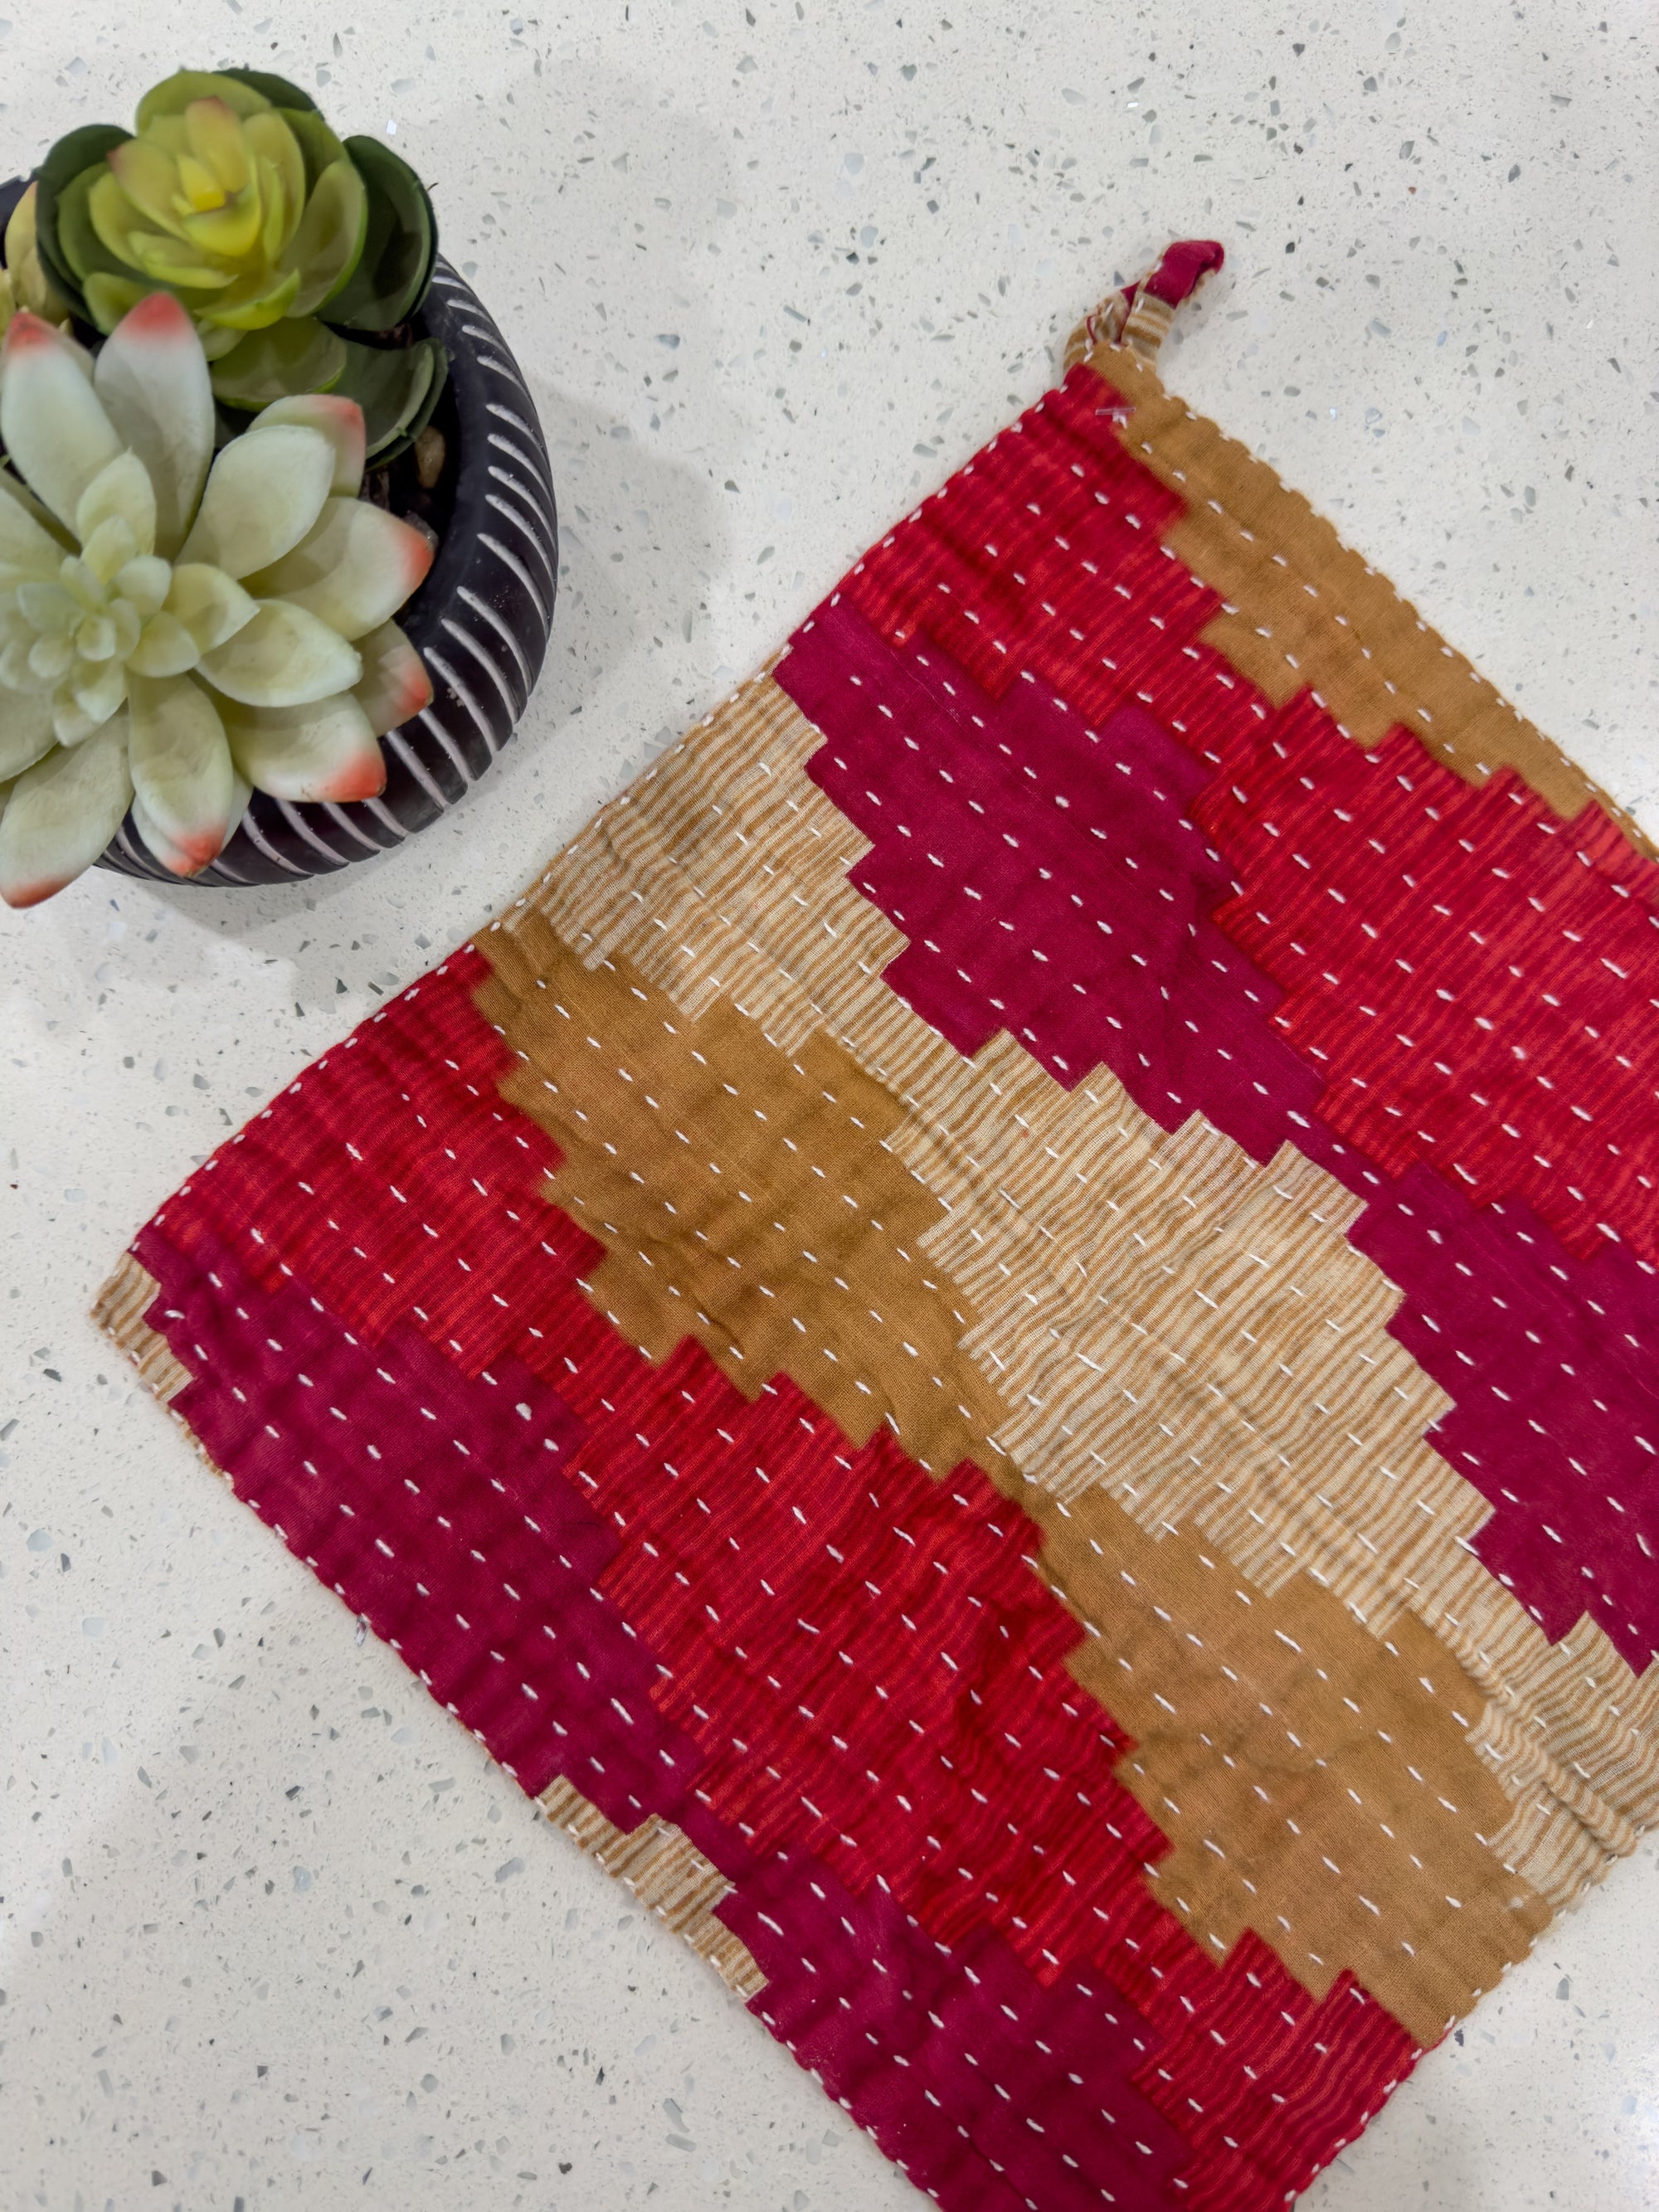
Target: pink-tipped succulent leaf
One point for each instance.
(152, 380)
(53, 423)
(322, 752)
(285, 657)
(394, 685)
(354, 567)
(340, 420)
(264, 493)
(181, 769)
(61, 813)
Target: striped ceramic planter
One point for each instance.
(480, 620)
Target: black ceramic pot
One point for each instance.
(480, 621)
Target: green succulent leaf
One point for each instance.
(27, 733)
(423, 413)
(297, 354)
(79, 246)
(329, 243)
(217, 340)
(85, 254)
(109, 298)
(260, 300)
(75, 153)
(396, 387)
(318, 143)
(285, 657)
(392, 277)
(277, 89)
(236, 87)
(18, 541)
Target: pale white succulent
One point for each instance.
(172, 633)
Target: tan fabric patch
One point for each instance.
(668, 1874)
(119, 1309)
(790, 1241)
(1191, 1330)
(1247, 1709)
(723, 873)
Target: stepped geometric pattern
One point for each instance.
(1004, 1340)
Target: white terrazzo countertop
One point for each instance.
(272, 1931)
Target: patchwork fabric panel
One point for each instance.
(1003, 1339)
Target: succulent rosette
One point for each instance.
(281, 241)
(177, 628)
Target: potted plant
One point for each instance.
(249, 415)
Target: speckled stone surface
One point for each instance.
(272, 1931)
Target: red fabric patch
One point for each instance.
(868, 1661)
(1043, 553)
(1475, 979)
(359, 1155)
(1050, 879)
(435, 1503)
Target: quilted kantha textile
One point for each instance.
(1003, 1338)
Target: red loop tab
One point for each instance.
(1181, 269)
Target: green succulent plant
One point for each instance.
(178, 629)
(23, 280)
(281, 241)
